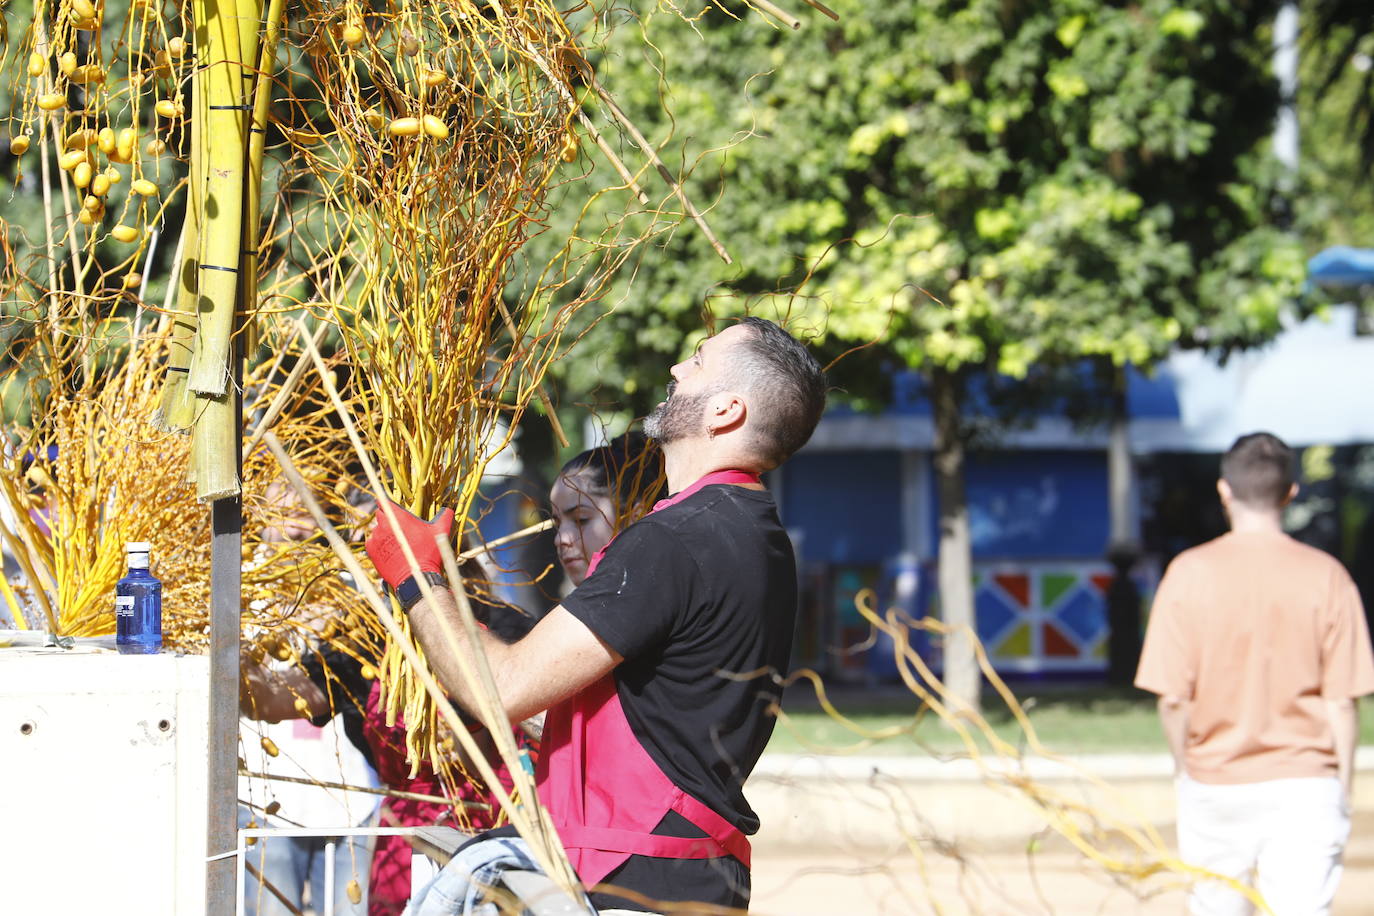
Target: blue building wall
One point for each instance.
(847, 504)
(1034, 504)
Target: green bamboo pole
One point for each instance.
(223, 129)
(259, 89)
(214, 447)
(225, 122)
(176, 409)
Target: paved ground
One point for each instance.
(912, 844)
(1053, 881)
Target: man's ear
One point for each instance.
(1291, 495)
(725, 411)
(1224, 491)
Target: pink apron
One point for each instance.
(603, 790)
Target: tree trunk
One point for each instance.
(962, 676)
(1123, 598)
(1120, 467)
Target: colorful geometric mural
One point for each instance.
(1040, 617)
(1043, 617)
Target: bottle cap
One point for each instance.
(138, 547)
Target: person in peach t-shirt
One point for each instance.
(1258, 648)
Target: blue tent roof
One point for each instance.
(1341, 265)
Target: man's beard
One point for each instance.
(678, 417)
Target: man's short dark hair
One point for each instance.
(787, 382)
(1260, 469)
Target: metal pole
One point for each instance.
(226, 518)
(328, 903)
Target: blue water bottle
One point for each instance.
(138, 605)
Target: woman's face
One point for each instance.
(585, 520)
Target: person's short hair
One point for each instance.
(786, 382)
(628, 470)
(1260, 469)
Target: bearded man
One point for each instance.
(657, 672)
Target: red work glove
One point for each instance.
(384, 544)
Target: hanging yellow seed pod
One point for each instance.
(19, 145)
(568, 151)
(272, 807)
(368, 672)
(126, 141)
(176, 47)
(91, 73)
(113, 175)
(106, 140)
(51, 101)
(404, 127)
(144, 186)
(302, 706)
(79, 139)
(409, 43)
(93, 204)
(133, 279)
(168, 108)
(433, 77)
(100, 185)
(67, 63)
(374, 119)
(36, 64)
(269, 746)
(354, 891)
(68, 160)
(284, 652)
(81, 175)
(162, 63)
(352, 34)
(83, 9)
(155, 147)
(85, 25)
(86, 217)
(434, 127)
(124, 233)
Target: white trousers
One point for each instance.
(1283, 837)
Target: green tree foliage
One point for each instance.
(974, 183)
(1341, 44)
(1335, 103)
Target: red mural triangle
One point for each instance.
(1017, 585)
(1056, 645)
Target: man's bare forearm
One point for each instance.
(559, 657)
(440, 631)
(1173, 716)
(1345, 730)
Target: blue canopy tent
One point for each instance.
(1341, 265)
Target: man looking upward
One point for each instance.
(1258, 647)
(650, 733)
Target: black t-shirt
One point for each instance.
(700, 599)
